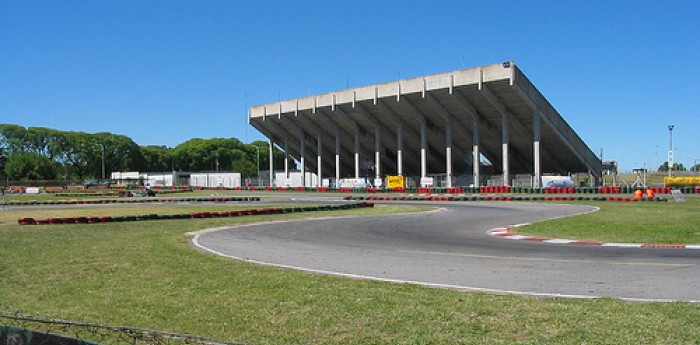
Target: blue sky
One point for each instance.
(162, 72)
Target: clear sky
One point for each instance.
(162, 72)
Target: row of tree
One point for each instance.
(38, 153)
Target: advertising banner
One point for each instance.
(394, 182)
(352, 183)
(557, 181)
(682, 181)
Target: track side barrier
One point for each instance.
(499, 198)
(191, 215)
(135, 200)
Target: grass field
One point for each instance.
(639, 222)
(144, 274)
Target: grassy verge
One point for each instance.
(639, 222)
(144, 275)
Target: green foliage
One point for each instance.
(157, 158)
(225, 155)
(30, 166)
(81, 154)
(676, 167)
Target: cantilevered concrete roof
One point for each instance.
(386, 116)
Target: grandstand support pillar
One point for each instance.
(536, 137)
(399, 150)
(286, 158)
(377, 151)
(476, 155)
(272, 164)
(423, 149)
(302, 151)
(337, 156)
(319, 153)
(448, 152)
(357, 150)
(505, 143)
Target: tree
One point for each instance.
(245, 167)
(676, 167)
(204, 154)
(13, 138)
(158, 158)
(120, 153)
(77, 150)
(30, 166)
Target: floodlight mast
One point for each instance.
(670, 150)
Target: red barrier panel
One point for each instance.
(26, 221)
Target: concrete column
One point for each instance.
(423, 149)
(286, 159)
(536, 131)
(505, 141)
(357, 152)
(272, 164)
(302, 145)
(448, 153)
(377, 149)
(318, 160)
(476, 155)
(399, 150)
(337, 157)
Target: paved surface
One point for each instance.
(451, 248)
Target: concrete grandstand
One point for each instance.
(463, 125)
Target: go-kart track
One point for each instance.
(451, 248)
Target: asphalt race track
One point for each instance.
(450, 248)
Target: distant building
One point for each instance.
(610, 168)
(169, 179)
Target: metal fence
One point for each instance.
(23, 329)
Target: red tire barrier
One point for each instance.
(26, 221)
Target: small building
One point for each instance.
(169, 179)
(215, 179)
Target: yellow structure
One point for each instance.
(682, 181)
(394, 181)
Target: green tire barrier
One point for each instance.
(192, 215)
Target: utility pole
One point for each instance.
(103, 162)
(670, 150)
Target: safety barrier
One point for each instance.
(191, 215)
(499, 198)
(128, 201)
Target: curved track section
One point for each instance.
(450, 248)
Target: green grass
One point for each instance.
(144, 274)
(639, 222)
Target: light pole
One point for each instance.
(217, 162)
(103, 162)
(670, 150)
